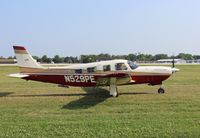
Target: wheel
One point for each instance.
(161, 90)
(115, 94)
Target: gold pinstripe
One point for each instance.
(72, 71)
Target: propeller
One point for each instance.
(174, 69)
(173, 62)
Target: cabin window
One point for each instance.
(106, 68)
(91, 69)
(120, 66)
(78, 71)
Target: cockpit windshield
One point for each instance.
(132, 65)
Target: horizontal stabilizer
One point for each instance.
(18, 75)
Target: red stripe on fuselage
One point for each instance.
(60, 79)
(153, 79)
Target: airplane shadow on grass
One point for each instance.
(89, 99)
(4, 94)
(92, 98)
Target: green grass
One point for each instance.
(33, 109)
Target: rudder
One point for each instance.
(24, 59)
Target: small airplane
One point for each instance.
(110, 73)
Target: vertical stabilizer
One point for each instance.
(24, 59)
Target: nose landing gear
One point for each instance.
(161, 90)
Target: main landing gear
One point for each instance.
(113, 88)
(113, 91)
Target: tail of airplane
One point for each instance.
(24, 59)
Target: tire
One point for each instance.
(116, 95)
(161, 90)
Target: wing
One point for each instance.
(121, 78)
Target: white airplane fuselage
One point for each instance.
(104, 73)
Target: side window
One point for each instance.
(78, 71)
(120, 66)
(106, 68)
(91, 70)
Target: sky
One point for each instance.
(75, 27)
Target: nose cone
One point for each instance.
(174, 70)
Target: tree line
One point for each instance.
(138, 57)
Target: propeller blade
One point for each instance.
(173, 63)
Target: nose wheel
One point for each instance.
(161, 90)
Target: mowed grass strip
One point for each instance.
(34, 109)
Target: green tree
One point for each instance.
(185, 56)
(37, 58)
(10, 57)
(196, 57)
(67, 60)
(57, 59)
(141, 57)
(132, 57)
(48, 60)
(160, 56)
